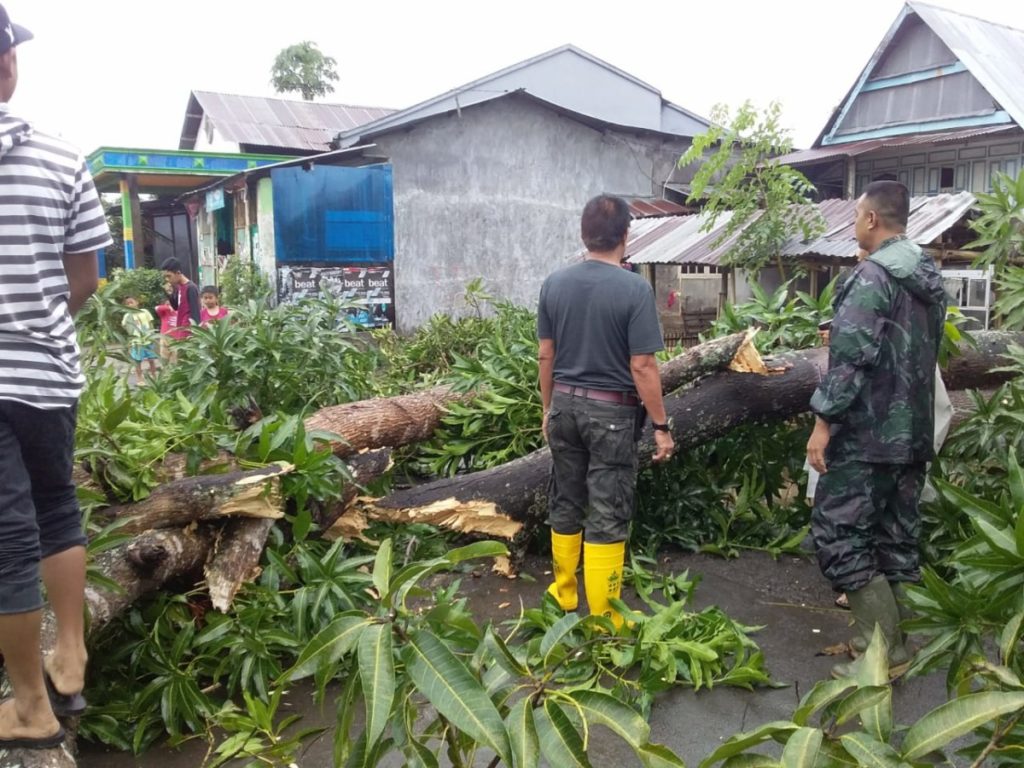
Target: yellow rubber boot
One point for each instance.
(602, 577)
(565, 557)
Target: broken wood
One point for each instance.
(707, 358)
(711, 408)
(253, 493)
(236, 558)
(364, 467)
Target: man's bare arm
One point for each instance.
(648, 386)
(83, 272)
(546, 364)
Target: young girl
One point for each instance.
(138, 323)
(212, 310)
(168, 321)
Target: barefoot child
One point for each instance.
(138, 324)
(212, 310)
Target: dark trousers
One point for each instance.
(866, 522)
(593, 467)
(39, 513)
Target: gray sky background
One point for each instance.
(119, 72)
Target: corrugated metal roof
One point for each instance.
(679, 239)
(643, 209)
(272, 122)
(856, 148)
(993, 53)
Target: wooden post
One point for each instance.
(851, 178)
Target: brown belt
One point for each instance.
(622, 398)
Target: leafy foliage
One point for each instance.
(1000, 227)
(766, 201)
(302, 68)
(146, 285)
(242, 282)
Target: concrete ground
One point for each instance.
(787, 596)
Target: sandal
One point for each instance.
(63, 704)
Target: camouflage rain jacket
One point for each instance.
(879, 391)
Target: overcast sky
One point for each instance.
(119, 72)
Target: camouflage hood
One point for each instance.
(911, 269)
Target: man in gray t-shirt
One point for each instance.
(598, 331)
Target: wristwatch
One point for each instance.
(666, 427)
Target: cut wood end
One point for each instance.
(747, 358)
(503, 567)
(479, 517)
(262, 500)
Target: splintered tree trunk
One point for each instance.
(255, 493)
(384, 422)
(510, 499)
(236, 558)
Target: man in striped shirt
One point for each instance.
(51, 224)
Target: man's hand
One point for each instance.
(663, 446)
(817, 444)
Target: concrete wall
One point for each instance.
(264, 250)
(496, 192)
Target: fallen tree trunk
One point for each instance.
(517, 491)
(254, 493)
(236, 558)
(390, 421)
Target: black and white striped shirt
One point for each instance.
(48, 208)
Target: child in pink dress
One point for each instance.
(212, 310)
(168, 321)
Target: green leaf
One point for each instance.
(871, 753)
(329, 644)
(659, 756)
(560, 742)
(603, 708)
(802, 748)
(382, 570)
(821, 695)
(861, 699)
(522, 733)
(741, 741)
(1009, 638)
(750, 761)
(1002, 539)
(501, 653)
(475, 550)
(453, 691)
(557, 633)
(955, 718)
(377, 673)
(116, 415)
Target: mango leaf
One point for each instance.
(1002, 539)
(557, 633)
(522, 732)
(116, 415)
(659, 756)
(750, 761)
(502, 655)
(861, 699)
(603, 708)
(377, 673)
(1009, 639)
(802, 748)
(955, 718)
(382, 569)
(874, 672)
(453, 691)
(821, 695)
(741, 741)
(871, 753)
(560, 742)
(329, 644)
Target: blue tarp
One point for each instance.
(332, 215)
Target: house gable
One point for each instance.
(934, 70)
(567, 78)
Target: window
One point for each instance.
(946, 178)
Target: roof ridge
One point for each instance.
(293, 101)
(942, 9)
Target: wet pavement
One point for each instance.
(787, 596)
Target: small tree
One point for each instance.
(769, 202)
(303, 68)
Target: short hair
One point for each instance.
(891, 201)
(171, 265)
(604, 223)
(211, 289)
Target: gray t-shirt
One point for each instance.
(598, 315)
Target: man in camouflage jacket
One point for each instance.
(874, 423)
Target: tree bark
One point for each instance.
(236, 558)
(509, 500)
(254, 493)
(384, 422)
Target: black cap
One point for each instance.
(11, 34)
